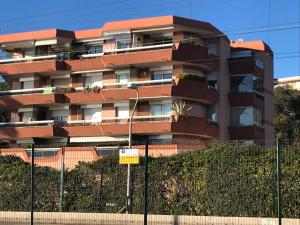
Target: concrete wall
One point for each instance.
(223, 107)
(268, 97)
(42, 218)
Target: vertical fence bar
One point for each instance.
(146, 184)
(278, 165)
(32, 185)
(62, 169)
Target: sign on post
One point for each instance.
(129, 156)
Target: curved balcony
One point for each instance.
(237, 99)
(246, 133)
(244, 65)
(188, 89)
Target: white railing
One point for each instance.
(30, 123)
(109, 85)
(139, 48)
(25, 91)
(107, 119)
(91, 55)
(84, 122)
(138, 83)
(30, 58)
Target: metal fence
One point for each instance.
(219, 181)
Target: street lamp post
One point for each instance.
(128, 195)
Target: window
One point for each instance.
(93, 114)
(212, 113)
(259, 64)
(123, 112)
(43, 153)
(64, 82)
(94, 49)
(161, 109)
(258, 117)
(246, 116)
(212, 47)
(213, 84)
(123, 44)
(105, 152)
(93, 81)
(241, 116)
(123, 78)
(237, 54)
(27, 84)
(246, 83)
(162, 75)
(60, 116)
(26, 116)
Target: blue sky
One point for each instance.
(246, 19)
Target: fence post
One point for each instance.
(146, 184)
(278, 167)
(32, 185)
(62, 169)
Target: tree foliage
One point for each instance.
(287, 113)
(4, 114)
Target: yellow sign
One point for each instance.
(129, 156)
(129, 160)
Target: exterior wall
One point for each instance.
(108, 110)
(223, 108)
(268, 97)
(109, 77)
(293, 82)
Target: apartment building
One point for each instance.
(293, 82)
(193, 85)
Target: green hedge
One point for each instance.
(224, 180)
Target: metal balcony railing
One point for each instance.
(50, 90)
(105, 120)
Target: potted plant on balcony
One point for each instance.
(180, 109)
(188, 76)
(70, 90)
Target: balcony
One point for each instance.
(245, 65)
(119, 91)
(246, 133)
(193, 89)
(238, 99)
(30, 129)
(144, 55)
(189, 89)
(35, 96)
(143, 125)
(36, 64)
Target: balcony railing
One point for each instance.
(119, 120)
(104, 120)
(77, 54)
(49, 90)
(28, 123)
(26, 59)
